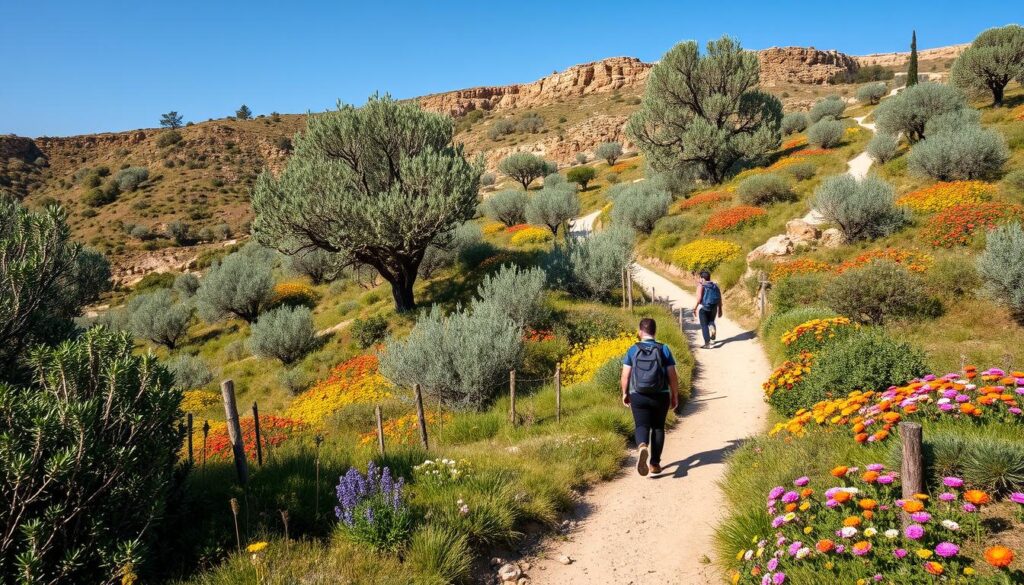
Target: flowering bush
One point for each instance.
(587, 358)
(733, 218)
(870, 415)
(812, 151)
(623, 167)
(404, 430)
(531, 235)
(912, 260)
(518, 228)
(274, 430)
(710, 198)
(955, 226)
(372, 509)
(812, 335)
(492, 227)
(705, 254)
(355, 381)
(794, 142)
(945, 195)
(788, 374)
(295, 294)
(781, 270)
(442, 471)
(196, 401)
(854, 532)
(538, 335)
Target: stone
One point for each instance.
(564, 559)
(522, 581)
(497, 561)
(780, 245)
(525, 566)
(799, 230)
(802, 65)
(509, 573)
(832, 238)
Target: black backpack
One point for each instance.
(649, 374)
(712, 295)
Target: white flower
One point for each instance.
(848, 532)
(869, 532)
(892, 533)
(803, 552)
(950, 525)
(943, 401)
(748, 555)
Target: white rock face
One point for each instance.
(776, 246)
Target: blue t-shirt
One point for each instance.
(666, 354)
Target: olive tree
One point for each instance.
(883, 147)
(582, 176)
(833, 106)
(525, 168)
(552, 206)
(705, 112)
(994, 59)
(1001, 267)
(872, 93)
(639, 205)
(515, 293)
(376, 184)
(241, 285)
(507, 206)
(591, 267)
(286, 333)
(156, 317)
(794, 122)
(826, 133)
(963, 153)
(908, 112)
(447, 249)
(609, 151)
(318, 265)
(863, 209)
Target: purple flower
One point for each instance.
(801, 481)
(790, 497)
(875, 467)
(947, 496)
(969, 507)
(1015, 410)
(962, 398)
(947, 549)
(921, 517)
(830, 492)
(928, 378)
(946, 407)
(953, 482)
(900, 553)
(772, 564)
(794, 546)
(885, 479)
(878, 577)
(776, 492)
(949, 394)
(840, 549)
(777, 521)
(914, 531)
(1017, 497)
(831, 503)
(778, 578)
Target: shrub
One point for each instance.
(372, 510)
(553, 205)
(532, 235)
(445, 251)
(732, 219)
(94, 412)
(964, 154)
(487, 179)
(286, 333)
(862, 209)
(953, 277)
(370, 331)
(764, 190)
(240, 285)
(168, 138)
(609, 151)
(581, 158)
(501, 128)
(883, 147)
(189, 372)
(612, 178)
(814, 334)
(704, 254)
(833, 106)
(780, 321)
(435, 355)
(592, 267)
(1015, 180)
(794, 122)
(1001, 267)
(795, 291)
(909, 111)
(639, 205)
(157, 318)
(508, 207)
(516, 294)
(872, 93)
(826, 133)
(283, 143)
(141, 232)
(97, 197)
(581, 175)
(531, 123)
(130, 178)
(953, 121)
(802, 171)
(180, 232)
(878, 291)
(318, 265)
(525, 167)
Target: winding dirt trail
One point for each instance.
(656, 530)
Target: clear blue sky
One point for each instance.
(75, 66)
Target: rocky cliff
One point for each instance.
(805, 65)
(900, 59)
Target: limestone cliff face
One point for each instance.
(805, 65)
(899, 59)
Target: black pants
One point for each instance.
(707, 319)
(649, 412)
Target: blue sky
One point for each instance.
(74, 66)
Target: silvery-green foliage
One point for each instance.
(706, 112)
(517, 294)
(555, 204)
(954, 121)
(319, 265)
(908, 112)
(581, 158)
(764, 189)
(794, 122)
(555, 180)
(186, 284)
(883, 147)
(524, 167)
(639, 206)
(591, 267)
(609, 151)
(487, 179)
(995, 58)
(158, 318)
(461, 359)
(286, 333)
(833, 106)
(863, 209)
(872, 93)
(1001, 267)
(826, 133)
(965, 153)
(189, 371)
(129, 179)
(507, 206)
(241, 285)
(446, 250)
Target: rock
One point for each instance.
(564, 559)
(525, 566)
(900, 59)
(775, 246)
(802, 65)
(522, 581)
(509, 573)
(497, 561)
(799, 230)
(832, 238)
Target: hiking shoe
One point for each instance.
(713, 330)
(706, 346)
(655, 469)
(641, 460)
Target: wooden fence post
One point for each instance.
(629, 287)
(421, 415)
(622, 276)
(380, 428)
(512, 396)
(912, 464)
(188, 426)
(256, 429)
(206, 433)
(654, 297)
(681, 329)
(227, 391)
(558, 392)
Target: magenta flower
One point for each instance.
(921, 517)
(946, 407)
(914, 531)
(776, 492)
(947, 549)
(840, 549)
(794, 546)
(778, 578)
(885, 479)
(962, 398)
(969, 507)
(947, 496)
(1017, 497)
(777, 521)
(875, 467)
(949, 394)
(953, 482)
(773, 564)
(900, 553)
(790, 497)
(1015, 410)
(801, 481)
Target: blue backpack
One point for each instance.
(649, 374)
(712, 295)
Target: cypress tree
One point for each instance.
(912, 67)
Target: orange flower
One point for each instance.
(868, 504)
(977, 497)
(891, 417)
(998, 556)
(852, 521)
(870, 476)
(868, 514)
(862, 547)
(790, 507)
(806, 492)
(841, 497)
(840, 471)
(911, 506)
(933, 568)
(825, 545)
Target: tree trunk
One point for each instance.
(401, 290)
(997, 95)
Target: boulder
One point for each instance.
(509, 573)
(799, 230)
(774, 247)
(832, 238)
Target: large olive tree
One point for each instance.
(994, 59)
(704, 112)
(376, 184)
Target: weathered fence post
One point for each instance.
(681, 329)
(629, 287)
(227, 391)
(206, 433)
(912, 464)
(512, 396)
(421, 415)
(558, 392)
(256, 429)
(622, 276)
(762, 294)
(380, 428)
(188, 426)
(654, 297)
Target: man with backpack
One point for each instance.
(650, 387)
(709, 306)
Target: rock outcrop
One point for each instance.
(802, 65)
(18, 147)
(899, 59)
(606, 75)
(582, 137)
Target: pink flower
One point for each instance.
(801, 481)
(947, 496)
(1015, 410)
(773, 564)
(778, 578)
(969, 507)
(921, 517)
(790, 497)
(914, 531)
(776, 492)
(1017, 497)
(875, 467)
(953, 482)
(885, 479)
(947, 549)
(900, 553)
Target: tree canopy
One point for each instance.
(994, 59)
(170, 120)
(525, 167)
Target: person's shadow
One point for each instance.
(745, 336)
(715, 456)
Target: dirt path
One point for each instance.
(637, 530)
(857, 167)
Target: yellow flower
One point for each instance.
(533, 235)
(945, 195)
(585, 359)
(924, 553)
(705, 254)
(257, 547)
(196, 401)
(808, 529)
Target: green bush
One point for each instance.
(168, 138)
(318, 265)
(795, 291)
(530, 123)
(524, 167)
(189, 372)
(97, 197)
(883, 147)
(487, 179)
(1015, 181)
(501, 128)
(439, 555)
(764, 190)
(908, 112)
(953, 121)
(156, 317)
(794, 122)
(953, 277)
(581, 158)
(514, 293)
(878, 291)
(130, 178)
(609, 151)
(833, 106)
(872, 93)
(957, 155)
(241, 285)
(553, 205)
(826, 133)
(802, 171)
(445, 251)
(186, 284)
(639, 205)
(592, 267)
(582, 175)
(863, 209)
(286, 333)
(612, 178)
(370, 331)
(180, 232)
(508, 207)
(1001, 267)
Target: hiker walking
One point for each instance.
(650, 387)
(709, 306)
